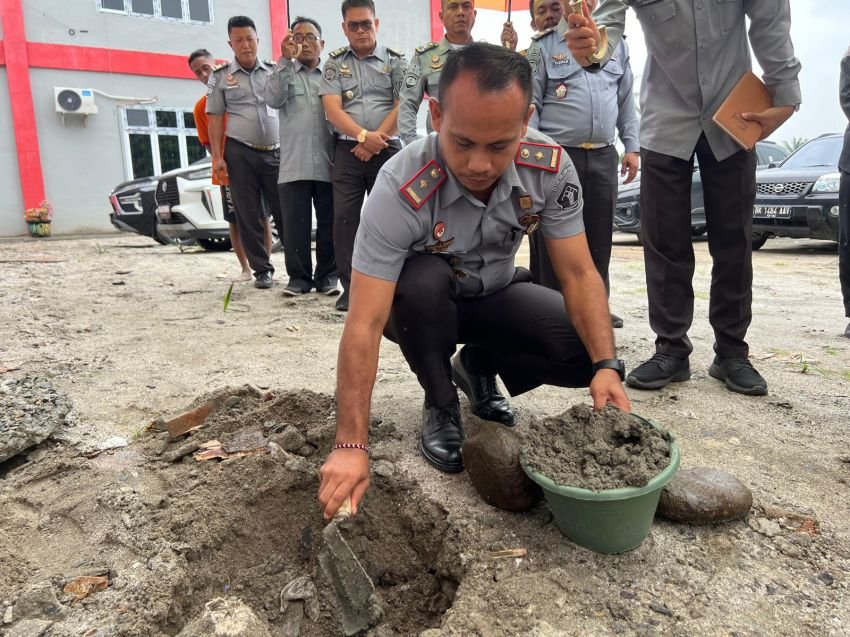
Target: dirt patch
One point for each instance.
(608, 449)
(172, 536)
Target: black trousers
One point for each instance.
(844, 239)
(522, 332)
(352, 179)
(729, 192)
(597, 174)
(253, 177)
(297, 200)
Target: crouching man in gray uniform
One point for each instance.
(433, 267)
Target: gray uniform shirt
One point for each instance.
(697, 52)
(368, 87)
(422, 76)
(294, 90)
(417, 205)
(844, 100)
(574, 107)
(241, 95)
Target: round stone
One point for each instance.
(703, 495)
(491, 457)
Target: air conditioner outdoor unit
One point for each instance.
(74, 101)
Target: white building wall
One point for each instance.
(11, 203)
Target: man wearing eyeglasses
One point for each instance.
(423, 74)
(360, 91)
(304, 180)
(251, 156)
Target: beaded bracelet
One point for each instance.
(351, 445)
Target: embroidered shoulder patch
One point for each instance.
(542, 156)
(218, 67)
(423, 184)
(542, 34)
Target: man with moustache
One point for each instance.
(304, 180)
(583, 112)
(434, 264)
(203, 64)
(251, 155)
(360, 91)
(697, 52)
(545, 14)
(423, 74)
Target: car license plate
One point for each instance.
(772, 212)
(164, 213)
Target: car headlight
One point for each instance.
(203, 173)
(827, 183)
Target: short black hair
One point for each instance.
(496, 69)
(199, 53)
(239, 21)
(357, 4)
(301, 20)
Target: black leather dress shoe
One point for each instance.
(263, 280)
(342, 302)
(442, 437)
(485, 399)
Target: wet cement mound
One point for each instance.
(608, 449)
(172, 533)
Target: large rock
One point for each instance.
(226, 617)
(30, 410)
(703, 495)
(38, 602)
(29, 628)
(491, 457)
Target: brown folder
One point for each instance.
(750, 95)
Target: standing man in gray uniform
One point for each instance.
(545, 14)
(423, 74)
(434, 263)
(697, 52)
(251, 155)
(360, 90)
(583, 113)
(844, 192)
(305, 168)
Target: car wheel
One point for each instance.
(221, 244)
(758, 240)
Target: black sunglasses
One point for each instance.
(300, 38)
(366, 25)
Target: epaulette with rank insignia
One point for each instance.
(218, 67)
(427, 47)
(398, 54)
(338, 52)
(424, 184)
(542, 156)
(542, 34)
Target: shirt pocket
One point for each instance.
(297, 98)
(614, 69)
(350, 89)
(659, 26)
(730, 13)
(236, 95)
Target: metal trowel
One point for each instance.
(353, 589)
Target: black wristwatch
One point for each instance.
(611, 363)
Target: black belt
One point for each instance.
(260, 147)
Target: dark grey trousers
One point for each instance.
(352, 179)
(522, 332)
(597, 174)
(253, 177)
(844, 239)
(729, 189)
(297, 200)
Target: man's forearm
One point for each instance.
(587, 307)
(342, 121)
(390, 124)
(357, 365)
(216, 123)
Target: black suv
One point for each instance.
(627, 213)
(799, 198)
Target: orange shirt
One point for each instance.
(203, 126)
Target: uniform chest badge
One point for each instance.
(440, 246)
(560, 58)
(436, 63)
(230, 80)
(525, 202)
(344, 71)
(349, 95)
(561, 91)
(531, 222)
(439, 230)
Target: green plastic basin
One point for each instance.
(608, 521)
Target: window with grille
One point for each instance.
(159, 139)
(198, 11)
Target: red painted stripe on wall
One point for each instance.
(279, 17)
(2, 54)
(436, 23)
(87, 58)
(20, 97)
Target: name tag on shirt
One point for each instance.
(271, 112)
